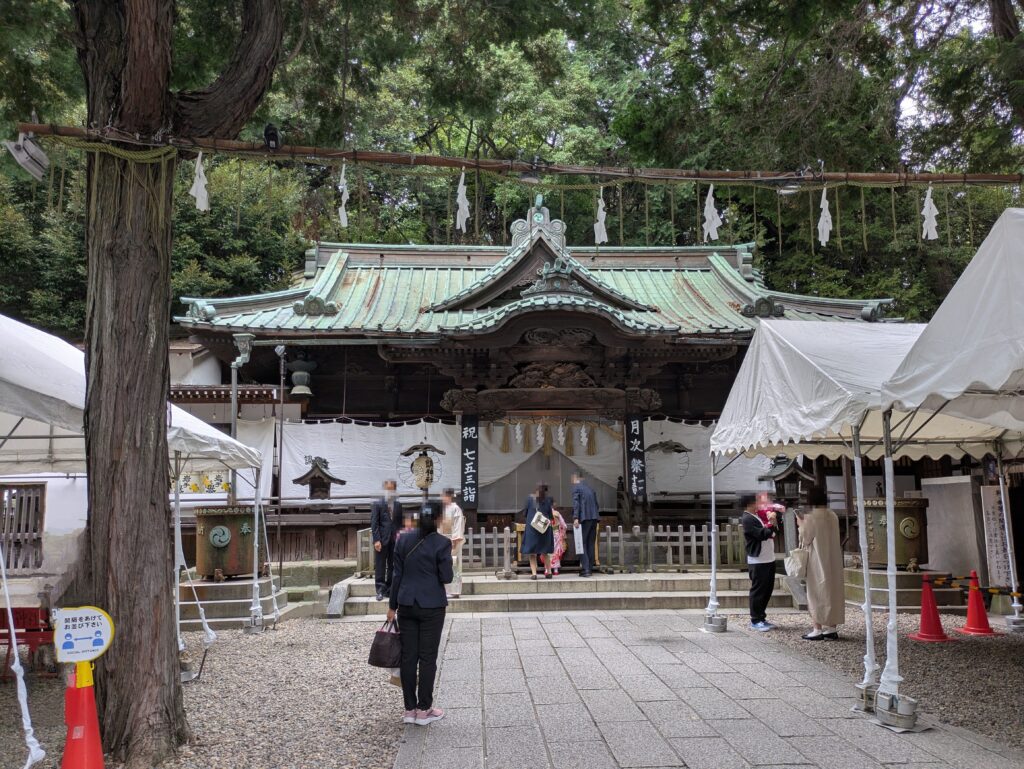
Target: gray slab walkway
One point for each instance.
(618, 690)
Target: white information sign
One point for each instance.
(81, 634)
(995, 537)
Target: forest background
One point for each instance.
(857, 86)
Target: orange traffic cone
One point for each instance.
(977, 618)
(82, 749)
(931, 625)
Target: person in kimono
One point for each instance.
(819, 533)
(559, 528)
(455, 530)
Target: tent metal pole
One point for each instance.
(870, 663)
(890, 679)
(179, 561)
(256, 611)
(1008, 532)
(712, 609)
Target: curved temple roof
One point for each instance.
(365, 290)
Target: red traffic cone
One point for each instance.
(977, 618)
(82, 749)
(931, 625)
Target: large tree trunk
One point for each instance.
(138, 684)
(124, 50)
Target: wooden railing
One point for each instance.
(21, 526)
(618, 549)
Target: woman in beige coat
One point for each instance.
(826, 600)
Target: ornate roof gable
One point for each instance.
(538, 256)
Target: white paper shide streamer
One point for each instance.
(343, 189)
(930, 230)
(462, 214)
(712, 221)
(600, 233)
(825, 220)
(198, 189)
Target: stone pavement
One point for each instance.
(609, 690)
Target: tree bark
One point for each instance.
(1010, 64)
(124, 50)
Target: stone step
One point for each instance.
(567, 583)
(230, 589)
(589, 601)
(232, 608)
(907, 599)
(291, 611)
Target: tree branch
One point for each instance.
(1004, 20)
(225, 106)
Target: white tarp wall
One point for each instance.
(365, 456)
(691, 472)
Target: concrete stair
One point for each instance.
(568, 592)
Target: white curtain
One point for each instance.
(691, 471)
(605, 465)
(365, 456)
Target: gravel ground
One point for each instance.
(973, 682)
(321, 705)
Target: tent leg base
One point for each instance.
(715, 623)
(866, 697)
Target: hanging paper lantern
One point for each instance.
(712, 221)
(600, 233)
(343, 189)
(825, 221)
(929, 212)
(198, 190)
(462, 215)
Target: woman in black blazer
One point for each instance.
(423, 566)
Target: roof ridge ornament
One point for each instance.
(538, 219)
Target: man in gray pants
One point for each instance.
(585, 513)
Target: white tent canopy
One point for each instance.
(42, 402)
(805, 385)
(969, 361)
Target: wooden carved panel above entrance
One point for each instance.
(569, 337)
(551, 375)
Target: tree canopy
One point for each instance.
(737, 84)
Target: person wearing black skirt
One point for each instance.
(534, 542)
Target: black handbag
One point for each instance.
(386, 649)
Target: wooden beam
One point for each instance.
(328, 155)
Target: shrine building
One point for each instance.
(506, 366)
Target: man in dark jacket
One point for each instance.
(585, 514)
(759, 538)
(385, 522)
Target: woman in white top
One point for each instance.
(455, 529)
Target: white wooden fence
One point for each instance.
(650, 548)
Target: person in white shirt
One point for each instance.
(455, 529)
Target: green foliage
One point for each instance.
(725, 84)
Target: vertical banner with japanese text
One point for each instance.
(636, 462)
(470, 460)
